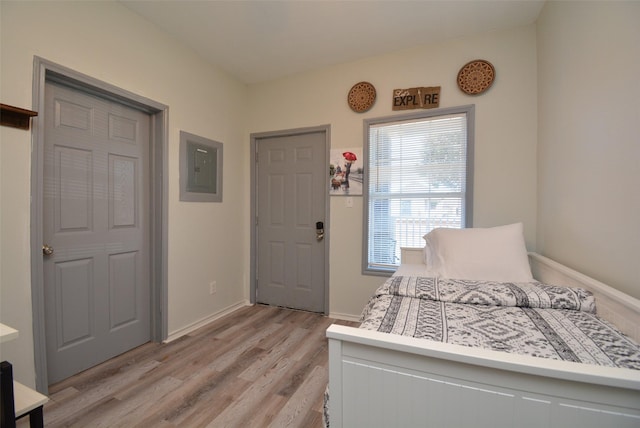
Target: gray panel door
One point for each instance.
(96, 211)
(291, 188)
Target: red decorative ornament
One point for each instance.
(350, 156)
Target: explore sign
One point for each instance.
(413, 98)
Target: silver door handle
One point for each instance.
(320, 231)
(47, 250)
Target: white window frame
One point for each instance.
(467, 211)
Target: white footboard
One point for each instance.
(383, 380)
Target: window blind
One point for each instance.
(417, 179)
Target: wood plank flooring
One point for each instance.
(259, 366)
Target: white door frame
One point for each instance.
(43, 71)
(255, 137)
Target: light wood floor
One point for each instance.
(259, 366)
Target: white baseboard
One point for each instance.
(204, 321)
(344, 317)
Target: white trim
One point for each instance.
(206, 320)
(344, 317)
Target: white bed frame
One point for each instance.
(385, 380)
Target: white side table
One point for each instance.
(7, 333)
(18, 400)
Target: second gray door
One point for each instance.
(96, 228)
(291, 188)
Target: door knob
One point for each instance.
(47, 250)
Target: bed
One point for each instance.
(377, 379)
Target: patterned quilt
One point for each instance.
(524, 318)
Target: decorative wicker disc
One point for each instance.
(361, 97)
(476, 77)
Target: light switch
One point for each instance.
(349, 202)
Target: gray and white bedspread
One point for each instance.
(524, 318)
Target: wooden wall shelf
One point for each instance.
(16, 117)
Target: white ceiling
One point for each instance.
(258, 40)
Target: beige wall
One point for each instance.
(505, 140)
(110, 43)
(589, 145)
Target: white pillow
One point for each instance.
(493, 254)
(426, 251)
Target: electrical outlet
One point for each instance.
(213, 287)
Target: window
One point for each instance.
(418, 176)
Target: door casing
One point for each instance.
(45, 70)
(255, 137)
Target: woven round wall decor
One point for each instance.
(361, 97)
(476, 77)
